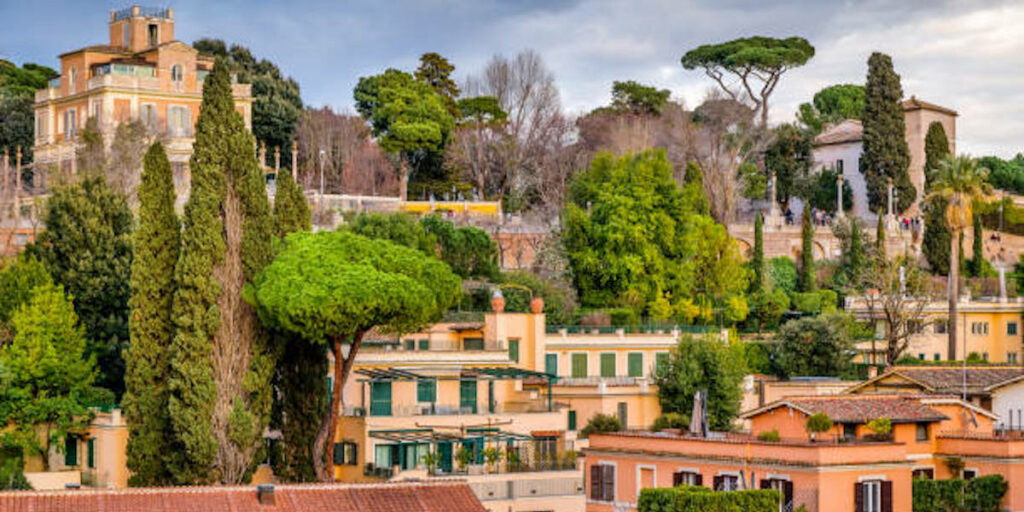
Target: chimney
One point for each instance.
(265, 494)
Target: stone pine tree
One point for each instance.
(299, 376)
(151, 325)
(807, 278)
(220, 392)
(886, 154)
(936, 242)
(757, 259)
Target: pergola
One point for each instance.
(486, 373)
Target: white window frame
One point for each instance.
(177, 73)
(734, 475)
(70, 122)
(974, 470)
(690, 474)
(639, 482)
(149, 123)
(872, 495)
(615, 480)
(184, 131)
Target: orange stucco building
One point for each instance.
(842, 470)
(141, 73)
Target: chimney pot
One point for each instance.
(265, 494)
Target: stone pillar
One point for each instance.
(277, 159)
(17, 182)
(7, 170)
(839, 195)
(263, 155)
(889, 196)
(295, 158)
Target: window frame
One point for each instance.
(922, 426)
(635, 364)
(609, 364)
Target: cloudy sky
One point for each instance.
(964, 54)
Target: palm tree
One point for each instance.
(960, 181)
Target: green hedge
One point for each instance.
(702, 499)
(816, 302)
(981, 494)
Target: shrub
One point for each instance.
(759, 358)
(770, 436)
(808, 303)
(818, 422)
(601, 423)
(700, 499)
(981, 494)
(782, 273)
(828, 300)
(671, 420)
(623, 316)
(881, 429)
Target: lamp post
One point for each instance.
(320, 203)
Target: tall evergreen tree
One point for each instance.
(220, 365)
(151, 325)
(880, 238)
(936, 241)
(853, 254)
(757, 259)
(87, 248)
(977, 263)
(886, 154)
(300, 393)
(807, 277)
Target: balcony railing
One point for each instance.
(404, 411)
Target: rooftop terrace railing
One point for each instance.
(631, 329)
(145, 12)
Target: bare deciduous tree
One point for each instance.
(897, 292)
(353, 163)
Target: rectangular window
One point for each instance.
(90, 453)
(686, 478)
(467, 396)
(579, 365)
(849, 431)
(551, 364)
(942, 326)
(425, 344)
(1011, 357)
(380, 398)
(608, 364)
(602, 482)
(70, 451)
(923, 474)
(660, 362)
(635, 362)
(409, 344)
(873, 496)
(970, 473)
(1011, 329)
(623, 410)
(147, 114)
(936, 357)
(179, 121)
(70, 123)
(97, 111)
(154, 34)
(473, 344)
(727, 483)
(513, 350)
(383, 455)
(345, 453)
(426, 390)
(839, 166)
(922, 431)
(920, 357)
(126, 34)
(572, 420)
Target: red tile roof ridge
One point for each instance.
(313, 486)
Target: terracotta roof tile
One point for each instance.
(903, 408)
(951, 379)
(849, 130)
(400, 497)
(915, 104)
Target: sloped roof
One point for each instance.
(858, 408)
(849, 130)
(99, 48)
(915, 104)
(405, 497)
(950, 379)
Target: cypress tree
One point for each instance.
(807, 278)
(301, 390)
(855, 257)
(977, 264)
(936, 147)
(291, 210)
(757, 260)
(150, 325)
(886, 154)
(220, 365)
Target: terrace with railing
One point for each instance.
(144, 12)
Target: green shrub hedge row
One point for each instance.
(702, 499)
(981, 494)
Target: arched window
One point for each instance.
(177, 73)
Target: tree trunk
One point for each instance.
(953, 292)
(342, 368)
(403, 180)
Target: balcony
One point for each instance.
(126, 81)
(406, 411)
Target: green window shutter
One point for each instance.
(636, 364)
(426, 390)
(467, 395)
(70, 451)
(551, 364)
(513, 350)
(90, 452)
(579, 365)
(424, 344)
(380, 398)
(339, 454)
(660, 361)
(409, 344)
(572, 420)
(608, 365)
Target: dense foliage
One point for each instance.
(151, 326)
(633, 240)
(276, 104)
(814, 346)
(17, 98)
(87, 248)
(1005, 174)
(703, 499)
(789, 157)
(220, 364)
(981, 494)
(599, 424)
(886, 154)
(703, 364)
(832, 105)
